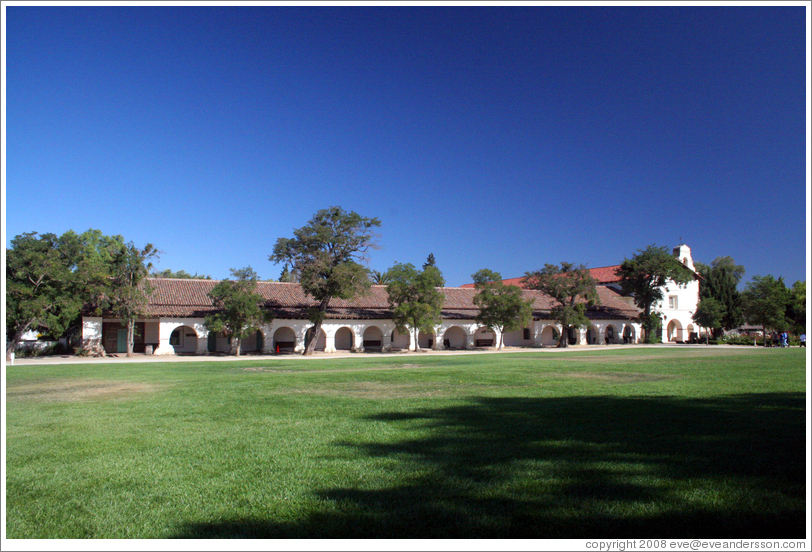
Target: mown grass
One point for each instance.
(646, 442)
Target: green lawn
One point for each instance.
(644, 442)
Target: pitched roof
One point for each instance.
(188, 298)
(602, 275)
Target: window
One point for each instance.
(526, 333)
(672, 302)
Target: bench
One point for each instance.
(484, 342)
(372, 344)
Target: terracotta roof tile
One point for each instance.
(188, 298)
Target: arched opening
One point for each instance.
(484, 337)
(674, 331)
(400, 339)
(425, 340)
(628, 334)
(610, 335)
(549, 336)
(284, 340)
(692, 333)
(252, 343)
(592, 335)
(373, 338)
(454, 338)
(573, 335)
(344, 339)
(183, 339)
(321, 339)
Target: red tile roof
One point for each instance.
(603, 275)
(188, 298)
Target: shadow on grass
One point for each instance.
(577, 467)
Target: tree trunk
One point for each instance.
(317, 327)
(12, 345)
(239, 341)
(565, 335)
(130, 336)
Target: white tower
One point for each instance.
(683, 253)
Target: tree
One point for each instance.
(240, 313)
(181, 274)
(565, 285)
(129, 291)
(325, 254)
(287, 275)
(796, 310)
(764, 302)
(501, 307)
(430, 261)
(720, 281)
(49, 280)
(709, 314)
(378, 278)
(644, 276)
(414, 298)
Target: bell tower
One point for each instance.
(683, 253)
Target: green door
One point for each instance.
(122, 341)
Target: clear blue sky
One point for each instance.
(494, 137)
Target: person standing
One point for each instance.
(803, 340)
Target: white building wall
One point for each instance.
(679, 302)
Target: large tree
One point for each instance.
(129, 291)
(644, 276)
(501, 307)
(415, 299)
(709, 314)
(720, 282)
(239, 307)
(796, 310)
(326, 253)
(764, 302)
(571, 287)
(50, 279)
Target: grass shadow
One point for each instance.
(573, 467)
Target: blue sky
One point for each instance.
(493, 137)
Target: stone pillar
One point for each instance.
(202, 342)
(165, 329)
(413, 336)
(386, 341)
(267, 339)
(329, 342)
(92, 335)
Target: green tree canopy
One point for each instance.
(720, 281)
(49, 279)
(378, 278)
(565, 285)
(796, 311)
(644, 276)
(414, 298)
(501, 307)
(128, 293)
(325, 254)
(764, 302)
(181, 274)
(239, 307)
(709, 314)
